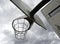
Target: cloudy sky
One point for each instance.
(36, 35)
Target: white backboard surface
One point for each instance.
(52, 13)
(36, 35)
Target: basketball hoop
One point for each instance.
(20, 26)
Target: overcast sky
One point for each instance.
(36, 35)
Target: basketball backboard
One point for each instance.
(30, 13)
(52, 14)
